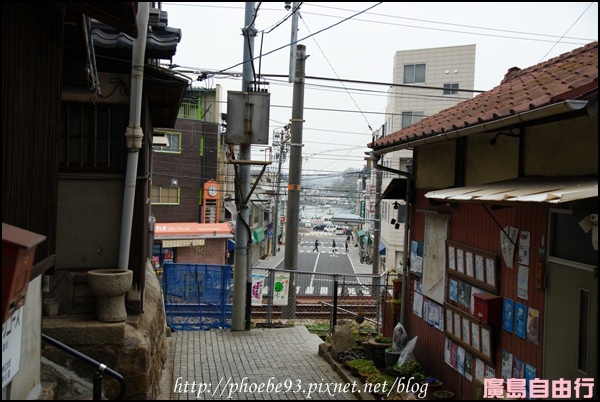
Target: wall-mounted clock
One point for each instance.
(212, 190)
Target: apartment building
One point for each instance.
(426, 81)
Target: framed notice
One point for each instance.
(475, 337)
(451, 258)
(469, 264)
(466, 331)
(471, 334)
(485, 343)
(479, 270)
(490, 271)
(453, 290)
(476, 267)
(457, 325)
(460, 260)
(449, 319)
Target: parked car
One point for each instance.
(330, 228)
(319, 227)
(340, 230)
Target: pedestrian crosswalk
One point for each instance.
(346, 290)
(324, 248)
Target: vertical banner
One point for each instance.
(280, 289)
(258, 284)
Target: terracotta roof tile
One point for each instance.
(561, 78)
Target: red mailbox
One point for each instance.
(18, 253)
(488, 308)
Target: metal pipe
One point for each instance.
(134, 133)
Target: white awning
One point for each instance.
(550, 190)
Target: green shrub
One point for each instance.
(411, 368)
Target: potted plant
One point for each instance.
(378, 345)
(391, 356)
(408, 369)
(433, 384)
(443, 394)
(360, 316)
(395, 305)
(367, 371)
(381, 384)
(361, 366)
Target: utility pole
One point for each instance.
(377, 222)
(294, 181)
(376, 239)
(283, 144)
(294, 38)
(242, 261)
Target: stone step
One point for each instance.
(59, 383)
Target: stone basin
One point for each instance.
(110, 287)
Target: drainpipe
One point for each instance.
(403, 306)
(134, 133)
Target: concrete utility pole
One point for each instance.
(377, 222)
(294, 38)
(377, 239)
(242, 261)
(294, 181)
(283, 144)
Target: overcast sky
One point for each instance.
(350, 43)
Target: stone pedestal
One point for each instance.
(110, 287)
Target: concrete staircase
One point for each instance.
(59, 383)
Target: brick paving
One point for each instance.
(232, 364)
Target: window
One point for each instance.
(414, 73)
(568, 241)
(409, 118)
(406, 164)
(92, 136)
(450, 89)
(165, 195)
(174, 142)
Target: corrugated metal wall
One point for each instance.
(471, 225)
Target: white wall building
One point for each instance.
(425, 82)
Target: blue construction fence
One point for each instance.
(197, 296)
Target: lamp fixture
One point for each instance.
(396, 205)
(174, 182)
(393, 221)
(397, 226)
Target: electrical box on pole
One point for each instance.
(248, 117)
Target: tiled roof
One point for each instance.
(562, 78)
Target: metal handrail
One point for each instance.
(99, 367)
